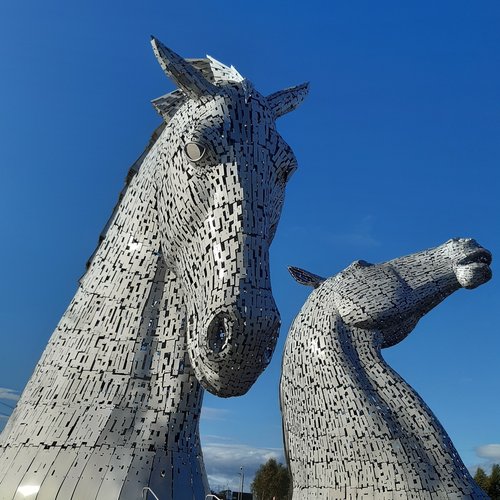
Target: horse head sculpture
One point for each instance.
(221, 182)
(353, 427)
(177, 294)
(391, 297)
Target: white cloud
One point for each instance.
(223, 462)
(8, 394)
(490, 454)
(209, 413)
(489, 451)
(215, 437)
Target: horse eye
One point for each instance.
(195, 151)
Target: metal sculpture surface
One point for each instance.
(176, 295)
(353, 428)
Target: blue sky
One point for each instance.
(398, 151)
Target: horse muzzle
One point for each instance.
(472, 264)
(234, 347)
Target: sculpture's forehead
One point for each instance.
(362, 272)
(366, 295)
(228, 108)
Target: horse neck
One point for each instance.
(320, 350)
(162, 391)
(120, 347)
(344, 403)
(409, 419)
(161, 380)
(375, 396)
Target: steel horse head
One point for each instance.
(177, 294)
(344, 408)
(221, 178)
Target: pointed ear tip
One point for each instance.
(304, 88)
(296, 272)
(158, 45)
(304, 277)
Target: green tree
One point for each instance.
(494, 483)
(482, 479)
(272, 480)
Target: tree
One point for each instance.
(490, 484)
(271, 480)
(494, 483)
(482, 479)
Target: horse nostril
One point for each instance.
(217, 333)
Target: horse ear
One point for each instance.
(287, 100)
(305, 277)
(167, 105)
(184, 75)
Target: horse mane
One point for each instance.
(132, 172)
(167, 105)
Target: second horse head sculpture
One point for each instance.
(353, 428)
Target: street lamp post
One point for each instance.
(242, 474)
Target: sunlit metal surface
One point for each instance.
(176, 297)
(353, 427)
